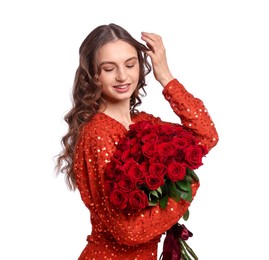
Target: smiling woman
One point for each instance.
(119, 74)
(107, 90)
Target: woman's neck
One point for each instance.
(120, 113)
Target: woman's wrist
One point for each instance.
(166, 79)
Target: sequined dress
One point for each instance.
(116, 235)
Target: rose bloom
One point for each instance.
(118, 172)
(188, 137)
(193, 156)
(137, 172)
(126, 183)
(109, 186)
(110, 168)
(169, 130)
(151, 138)
(117, 154)
(176, 171)
(158, 169)
(180, 143)
(138, 199)
(148, 150)
(124, 144)
(136, 152)
(154, 181)
(126, 154)
(166, 149)
(128, 164)
(119, 199)
(156, 159)
(140, 129)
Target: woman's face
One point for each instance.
(119, 71)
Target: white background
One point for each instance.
(217, 49)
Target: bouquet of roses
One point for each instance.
(152, 163)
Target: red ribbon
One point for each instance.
(171, 244)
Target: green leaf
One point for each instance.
(171, 186)
(153, 196)
(164, 188)
(186, 196)
(175, 194)
(160, 190)
(186, 215)
(188, 179)
(184, 185)
(154, 193)
(192, 174)
(152, 203)
(153, 200)
(163, 201)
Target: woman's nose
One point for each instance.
(121, 74)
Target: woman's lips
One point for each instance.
(122, 88)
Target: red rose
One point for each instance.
(117, 154)
(156, 159)
(167, 130)
(154, 182)
(176, 171)
(128, 164)
(134, 141)
(124, 144)
(193, 156)
(166, 149)
(109, 186)
(136, 152)
(118, 172)
(188, 136)
(126, 154)
(138, 199)
(164, 139)
(150, 138)
(180, 143)
(158, 169)
(140, 129)
(148, 150)
(119, 199)
(168, 159)
(137, 172)
(110, 168)
(126, 183)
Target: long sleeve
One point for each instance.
(192, 113)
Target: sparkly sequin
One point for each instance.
(116, 235)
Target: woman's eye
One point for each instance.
(130, 66)
(108, 69)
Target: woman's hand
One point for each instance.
(157, 54)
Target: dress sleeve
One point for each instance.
(93, 153)
(192, 113)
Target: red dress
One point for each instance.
(116, 235)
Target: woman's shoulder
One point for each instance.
(100, 123)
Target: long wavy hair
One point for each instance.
(87, 94)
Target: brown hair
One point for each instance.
(86, 94)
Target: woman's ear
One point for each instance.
(96, 80)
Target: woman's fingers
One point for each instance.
(157, 54)
(152, 40)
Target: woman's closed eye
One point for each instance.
(129, 66)
(108, 69)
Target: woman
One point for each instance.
(107, 88)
